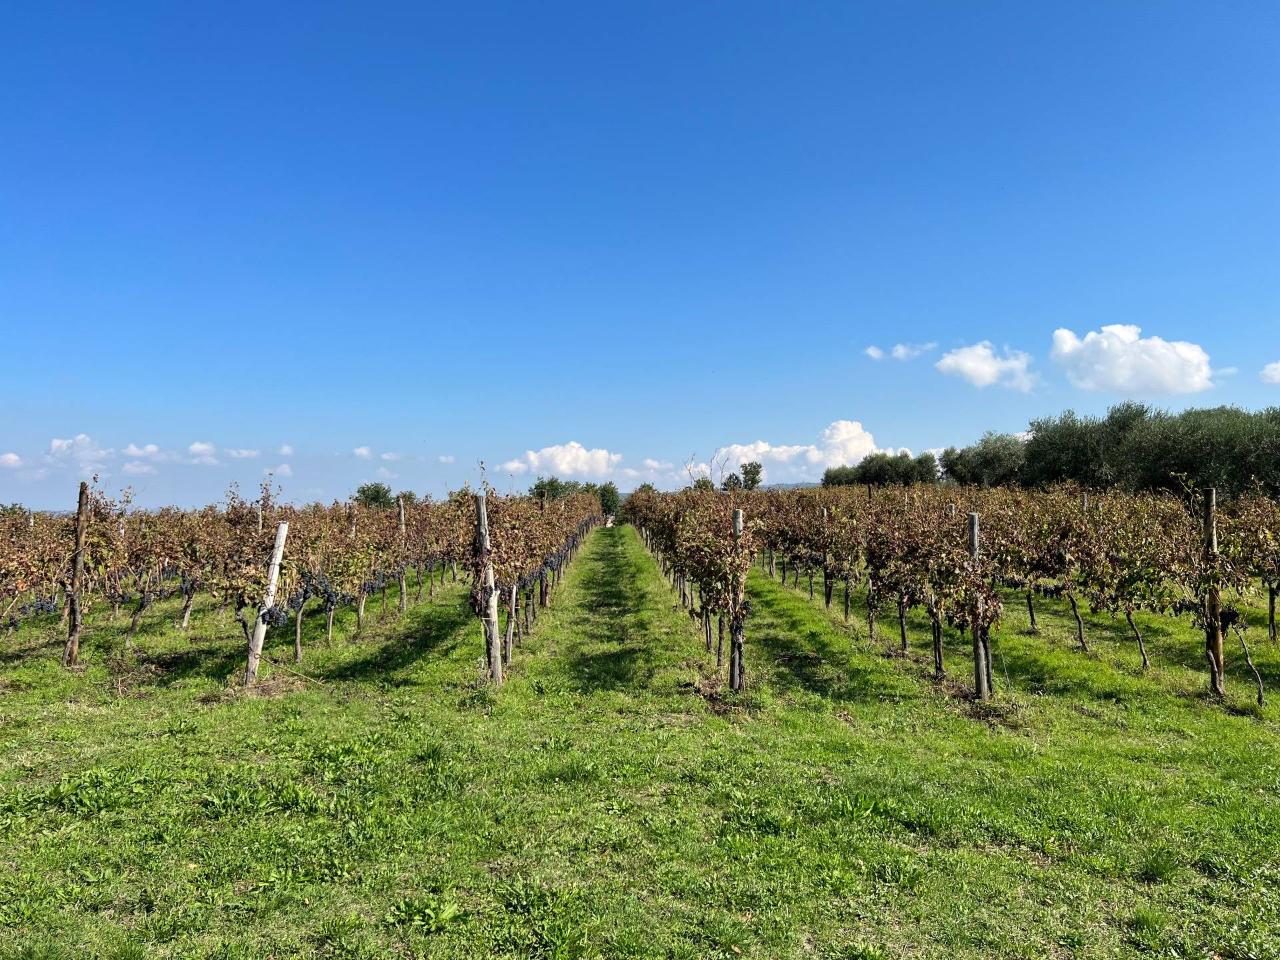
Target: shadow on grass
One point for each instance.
(380, 655)
(437, 627)
(1172, 643)
(809, 653)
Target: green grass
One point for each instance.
(612, 800)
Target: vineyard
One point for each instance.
(341, 556)
(835, 723)
(956, 553)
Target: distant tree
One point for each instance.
(882, 469)
(408, 496)
(704, 484)
(752, 474)
(553, 488)
(840, 477)
(731, 482)
(926, 468)
(609, 498)
(995, 460)
(374, 495)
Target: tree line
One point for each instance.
(1133, 447)
(379, 495)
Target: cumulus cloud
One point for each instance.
(652, 464)
(242, 454)
(909, 351)
(138, 468)
(874, 352)
(842, 443)
(202, 452)
(10, 461)
(982, 366)
(445, 458)
(283, 470)
(149, 451)
(363, 453)
(286, 450)
(81, 450)
(1271, 373)
(569, 459)
(1118, 358)
(390, 456)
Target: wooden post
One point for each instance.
(489, 593)
(1213, 599)
(258, 505)
(981, 663)
(737, 673)
(404, 600)
(269, 601)
(75, 600)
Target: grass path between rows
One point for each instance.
(611, 800)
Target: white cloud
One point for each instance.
(1118, 358)
(364, 453)
(82, 450)
(652, 464)
(286, 450)
(982, 367)
(202, 452)
(146, 452)
(390, 456)
(842, 443)
(874, 352)
(242, 454)
(383, 473)
(138, 468)
(1271, 373)
(446, 458)
(569, 459)
(909, 351)
(10, 461)
(283, 470)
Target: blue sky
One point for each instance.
(485, 232)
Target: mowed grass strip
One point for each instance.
(613, 800)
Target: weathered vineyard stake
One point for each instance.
(404, 600)
(737, 673)
(488, 593)
(1213, 598)
(75, 600)
(269, 601)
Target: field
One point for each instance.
(613, 800)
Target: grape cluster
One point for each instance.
(276, 616)
(316, 584)
(32, 609)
